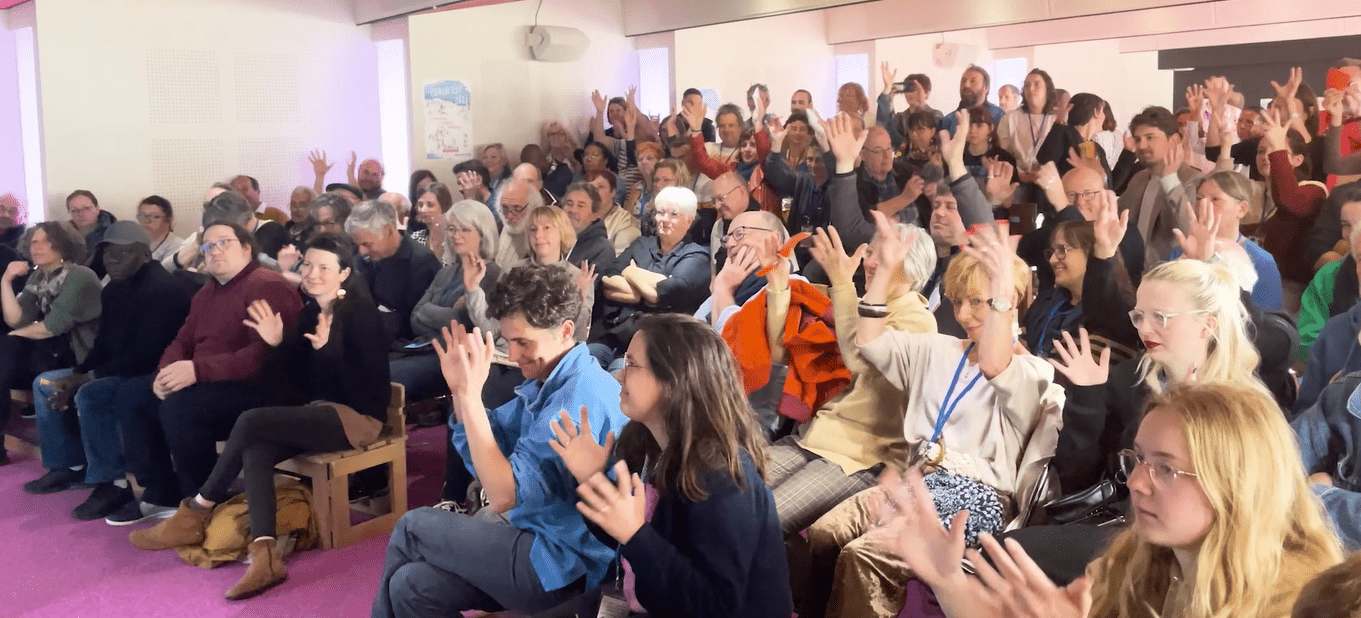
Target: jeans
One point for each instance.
(440, 563)
(104, 405)
(59, 442)
(606, 356)
(262, 438)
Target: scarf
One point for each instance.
(47, 286)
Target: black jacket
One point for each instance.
(141, 316)
(397, 283)
(351, 369)
(593, 245)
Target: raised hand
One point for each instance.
(1076, 160)
(1274, 131)
(266, 322)
(580, 453)
(999, 187)
(1077, 362)
(288, 258)
(1202, 223)
(829, 252)
(322, 335)
(630, 121)
(1175, 158)
(888, 76)
(320, 166)
(1048, 179)
(892, 247)
(619, 508)
(350, 167)
(1332, 103)
(844, 143)
(1285, 92)
(952, 147)
(1129, 142)
(465, 360)
(14, 270)
(1023, 590)
(1195, 93)
(1218, 90)
(695, 116)
(586, 278)
(632, 97)
(997, 257)
(474, 269)
(777, 133)
(1108, 225)
(599, 101)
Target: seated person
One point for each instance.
(1058, 310)
(712, 546)
(397, 269)
(1335, 287)
(222, 204)
(1079, 196)
(1328, 432)
(752, 241)
(620, 225)
(1202, 454)
(338, 355)
(550, 240)
(657, 274)
(842, 450)
(142, 310)
(299, 217)
(529, 549)
(1335, 353)
(513, 203)
(1009, 405)
(1333, 594)
(432, 202)
(1225, 195)
(471, 232)
(584, 206)
(52, 320)
(209, 375)
(157, 217)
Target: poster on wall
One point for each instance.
(448, 120)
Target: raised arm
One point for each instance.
(841, 190)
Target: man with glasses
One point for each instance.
(87, 217)
(751, 243)
(1078, 197)
(517, 199)
(11, 221)
(731, 197)
(397, 269)
(208, 375)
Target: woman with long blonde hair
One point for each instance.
(1225, 525)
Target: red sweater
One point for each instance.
(713, 168)
(1297, 205)
(214, 335)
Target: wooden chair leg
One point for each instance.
(321, 506)
(397, 481)
(339, 507)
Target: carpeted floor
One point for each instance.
(57, 567)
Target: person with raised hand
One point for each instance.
(1283, 157)
(979, 416)
(712, 546)
(528, 550)
(1201, 453)
(337, 356)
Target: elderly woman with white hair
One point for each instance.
(665, 273)
(842, 450)
(470, 232)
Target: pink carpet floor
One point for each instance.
(53, 566)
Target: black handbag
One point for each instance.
(1096, 505)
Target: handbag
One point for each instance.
(1095, 505)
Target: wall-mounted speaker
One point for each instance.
(556, 43)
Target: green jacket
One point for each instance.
(75, 310)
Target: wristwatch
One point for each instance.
(999, 305)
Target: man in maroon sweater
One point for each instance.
(209, 374)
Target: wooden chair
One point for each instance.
(330, 474)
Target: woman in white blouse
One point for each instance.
(1022, 130)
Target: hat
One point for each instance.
(125, 233)
(346, 186)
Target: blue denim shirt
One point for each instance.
(1329, 434)
(545, 492)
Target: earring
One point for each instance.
(340, 293)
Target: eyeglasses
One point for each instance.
(83, 210)
(721, 200)
(1074, 196)
(150, 218)
(879, 152)
(629, 364)
(1157, 319)
(514, 208)
(1160, 473)
(740, 232)
(973, 303)
(1058, 250)
(220, 245)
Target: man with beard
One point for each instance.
(11, 226)
(973, 93)
(143, 308)
(514, 204)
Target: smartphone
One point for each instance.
(1087, 150)
(1338, 80)
(418, 345)
(904, 86)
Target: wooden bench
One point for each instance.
(330, 474)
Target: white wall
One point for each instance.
(20, 142)
(512, 94)
(11, 135)
(786, 53)
(1128, 81)
(913, 54)
(168, 97)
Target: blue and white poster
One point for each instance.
(448, 120)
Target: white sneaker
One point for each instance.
(138, 511)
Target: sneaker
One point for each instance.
(105, 500)
(452, 507)
(28, 412)
(57, 480)
(138, 511)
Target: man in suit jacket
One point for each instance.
(1155, 195)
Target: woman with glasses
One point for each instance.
(976, 418)
(666, 273)
(1224, 524)
(157, 217)
(1059, 309)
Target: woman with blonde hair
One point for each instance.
(1225, 525)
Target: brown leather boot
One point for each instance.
(266, 570)
(185, 527)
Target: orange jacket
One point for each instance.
(816, 371)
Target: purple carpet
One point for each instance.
(58, 567)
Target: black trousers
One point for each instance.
(21, 360)
(263, 437)
(1063, 552)
(195, 418)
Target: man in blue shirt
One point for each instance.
(973, 92)
(529, 549)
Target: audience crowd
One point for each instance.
(984, 362)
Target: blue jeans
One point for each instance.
(61, 447)
(104, 404)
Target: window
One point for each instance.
(654, 82)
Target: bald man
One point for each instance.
(529, 173)
(1077, 197)
(731, 198)
(752, 239)
(370, 179)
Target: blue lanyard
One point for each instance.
(1044, 330)
(947, 407)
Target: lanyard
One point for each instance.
(1034, 133)
(947, 407)
(1044, 330)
